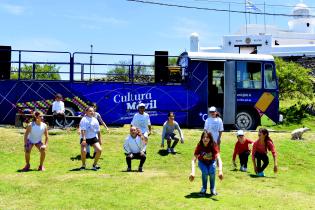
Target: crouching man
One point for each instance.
(135, 147)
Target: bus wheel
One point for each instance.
(69, 111)
(245, 120)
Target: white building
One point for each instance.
(297, 40)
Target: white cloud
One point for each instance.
(13, 9)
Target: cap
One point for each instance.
(141, 105)
(212, 109)
(240, 133)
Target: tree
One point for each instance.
(120, 73)
(42, 72)
(295, 81)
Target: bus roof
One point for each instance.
(228, 56)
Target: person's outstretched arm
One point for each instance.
(220, 166)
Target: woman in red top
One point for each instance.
(259, 153)
(242, 150)
(207, 153)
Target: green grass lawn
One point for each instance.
(163, 184)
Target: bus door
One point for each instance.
(229, 109)
(216, 85)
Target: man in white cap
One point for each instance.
(214, 125)
(142, 121)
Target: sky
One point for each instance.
(120, 26)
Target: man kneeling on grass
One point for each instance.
(91, 135)
(135, 147)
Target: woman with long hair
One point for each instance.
(207, 153)
(259, 153)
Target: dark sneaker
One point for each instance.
(26, 168)
(140, 169)
(96, 167)
(202, 192)
(128, 169)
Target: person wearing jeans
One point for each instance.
(135, 147)
(259, 153)
(207, 153)
(208, 170)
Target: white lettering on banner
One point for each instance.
(132, 100)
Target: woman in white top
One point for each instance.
(33, 136)
(214, 125)
(90, 135)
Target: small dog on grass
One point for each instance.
(297, 133)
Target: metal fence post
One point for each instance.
(19, 71)
(71, 67)
(33, 74)
(132, 68)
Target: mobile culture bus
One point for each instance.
(243, 87)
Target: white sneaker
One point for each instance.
(244, 169)
(241, 168)
(169, 150)
(173, 150)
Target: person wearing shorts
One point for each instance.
(90, 135)
(33, 136)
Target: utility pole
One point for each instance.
(91, 61)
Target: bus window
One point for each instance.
(248, 75)
(270, 77)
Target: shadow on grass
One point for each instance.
(21, 170)
(78, 157)
(197, 195)
(86, 169)
(265, 177)
(132, 171)
(163, 152)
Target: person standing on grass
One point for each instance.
(135, 147)
(33, 136)
(259, 153)
(214, 125)
(142, 121)
(168, 133)
(242, 150)
(101, 122)
(58, 109)
(207, 153)
(90, 135)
